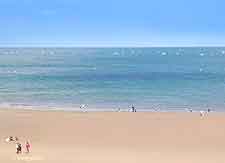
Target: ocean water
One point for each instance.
(109, 78)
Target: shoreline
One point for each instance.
(78, 109)
(91, 108)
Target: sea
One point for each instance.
(108, 79)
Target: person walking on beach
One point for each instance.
(133, 109)
(27, 147)
(18, 148)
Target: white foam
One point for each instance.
(177, 53)
(116, 53)
(164, 53)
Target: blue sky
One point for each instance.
(112, 23)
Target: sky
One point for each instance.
(112, 23)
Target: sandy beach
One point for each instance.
(100, 137)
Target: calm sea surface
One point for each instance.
(108, 78)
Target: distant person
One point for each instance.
(202, 113)
(83, 107)
(18, 148)
(8, 139)
(133, 109)
(11, 138)
(27, 145)
(208, 110)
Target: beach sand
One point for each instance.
(101, 137)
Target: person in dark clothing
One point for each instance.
(18, 148)
(133, 109)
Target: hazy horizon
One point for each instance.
(127, 46)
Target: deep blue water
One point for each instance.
(166, 78)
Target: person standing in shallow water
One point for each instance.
(27, 147)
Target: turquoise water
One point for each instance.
(166, 78)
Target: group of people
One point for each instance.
(201, 112)
(19, 145)
(83, 108)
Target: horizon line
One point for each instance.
(112, 46)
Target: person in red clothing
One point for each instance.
(27, 147)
